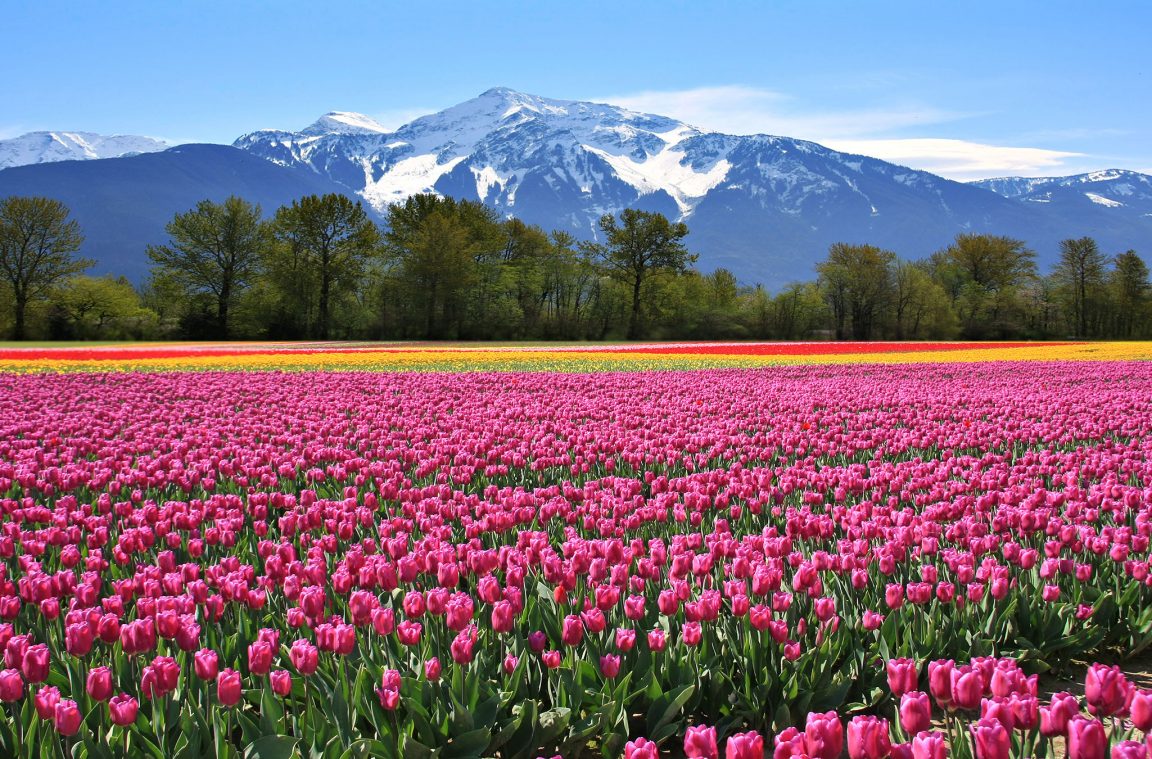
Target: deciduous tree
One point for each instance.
(37, 246)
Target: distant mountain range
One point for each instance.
(48, 147)
(765, 207)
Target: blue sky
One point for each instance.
(968, 89)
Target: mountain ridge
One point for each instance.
(765, 206)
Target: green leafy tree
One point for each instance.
(330, 240)
(215, 248)
(101, 307)
(857, 280)
(984, 275)
(37, 246)
(1129, 293)
(641, 244)
(1081, 273)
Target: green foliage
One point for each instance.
(441, 268)
(37, 243)
(215, 248)
(325, 247)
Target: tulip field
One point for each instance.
(738, 550)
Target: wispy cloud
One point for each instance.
(887, 133)
(961, 159)
(737, 109)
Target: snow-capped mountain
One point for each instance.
(1124, 191)
(765, 206)
(49, 147)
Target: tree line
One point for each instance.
(439, 268)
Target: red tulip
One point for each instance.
(432, 669)
(789, 742)
(281, 680)
(656, 640)
(551, 659)
(123, 709)
(1106, 690)
(503, 617)
(691, 634)
(610, 665)
(940, 680)
(1129, 750)
(641, 748)
(67, 719)
(1140, 709)
(304, 657)
(99, 683)
(205, 663)
(967, 687)
(45, 702)
(35, 663)
(228, 687)
(573, 631)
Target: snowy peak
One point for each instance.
(344, 122)
(1109, 188)
(49, 147)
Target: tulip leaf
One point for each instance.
(666, 708)
(552, 723)
(468, 745)
(271, 747)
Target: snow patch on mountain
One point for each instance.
(1103, 201)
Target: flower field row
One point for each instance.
(416, 357)
(414, 564)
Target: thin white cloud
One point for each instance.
(961, 159)
(877, 132)
(736, 109)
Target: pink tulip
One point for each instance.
(824, 735)
(700, 741)
(868, 738)
(1086, 739)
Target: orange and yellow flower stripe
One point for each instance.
(563, 358)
